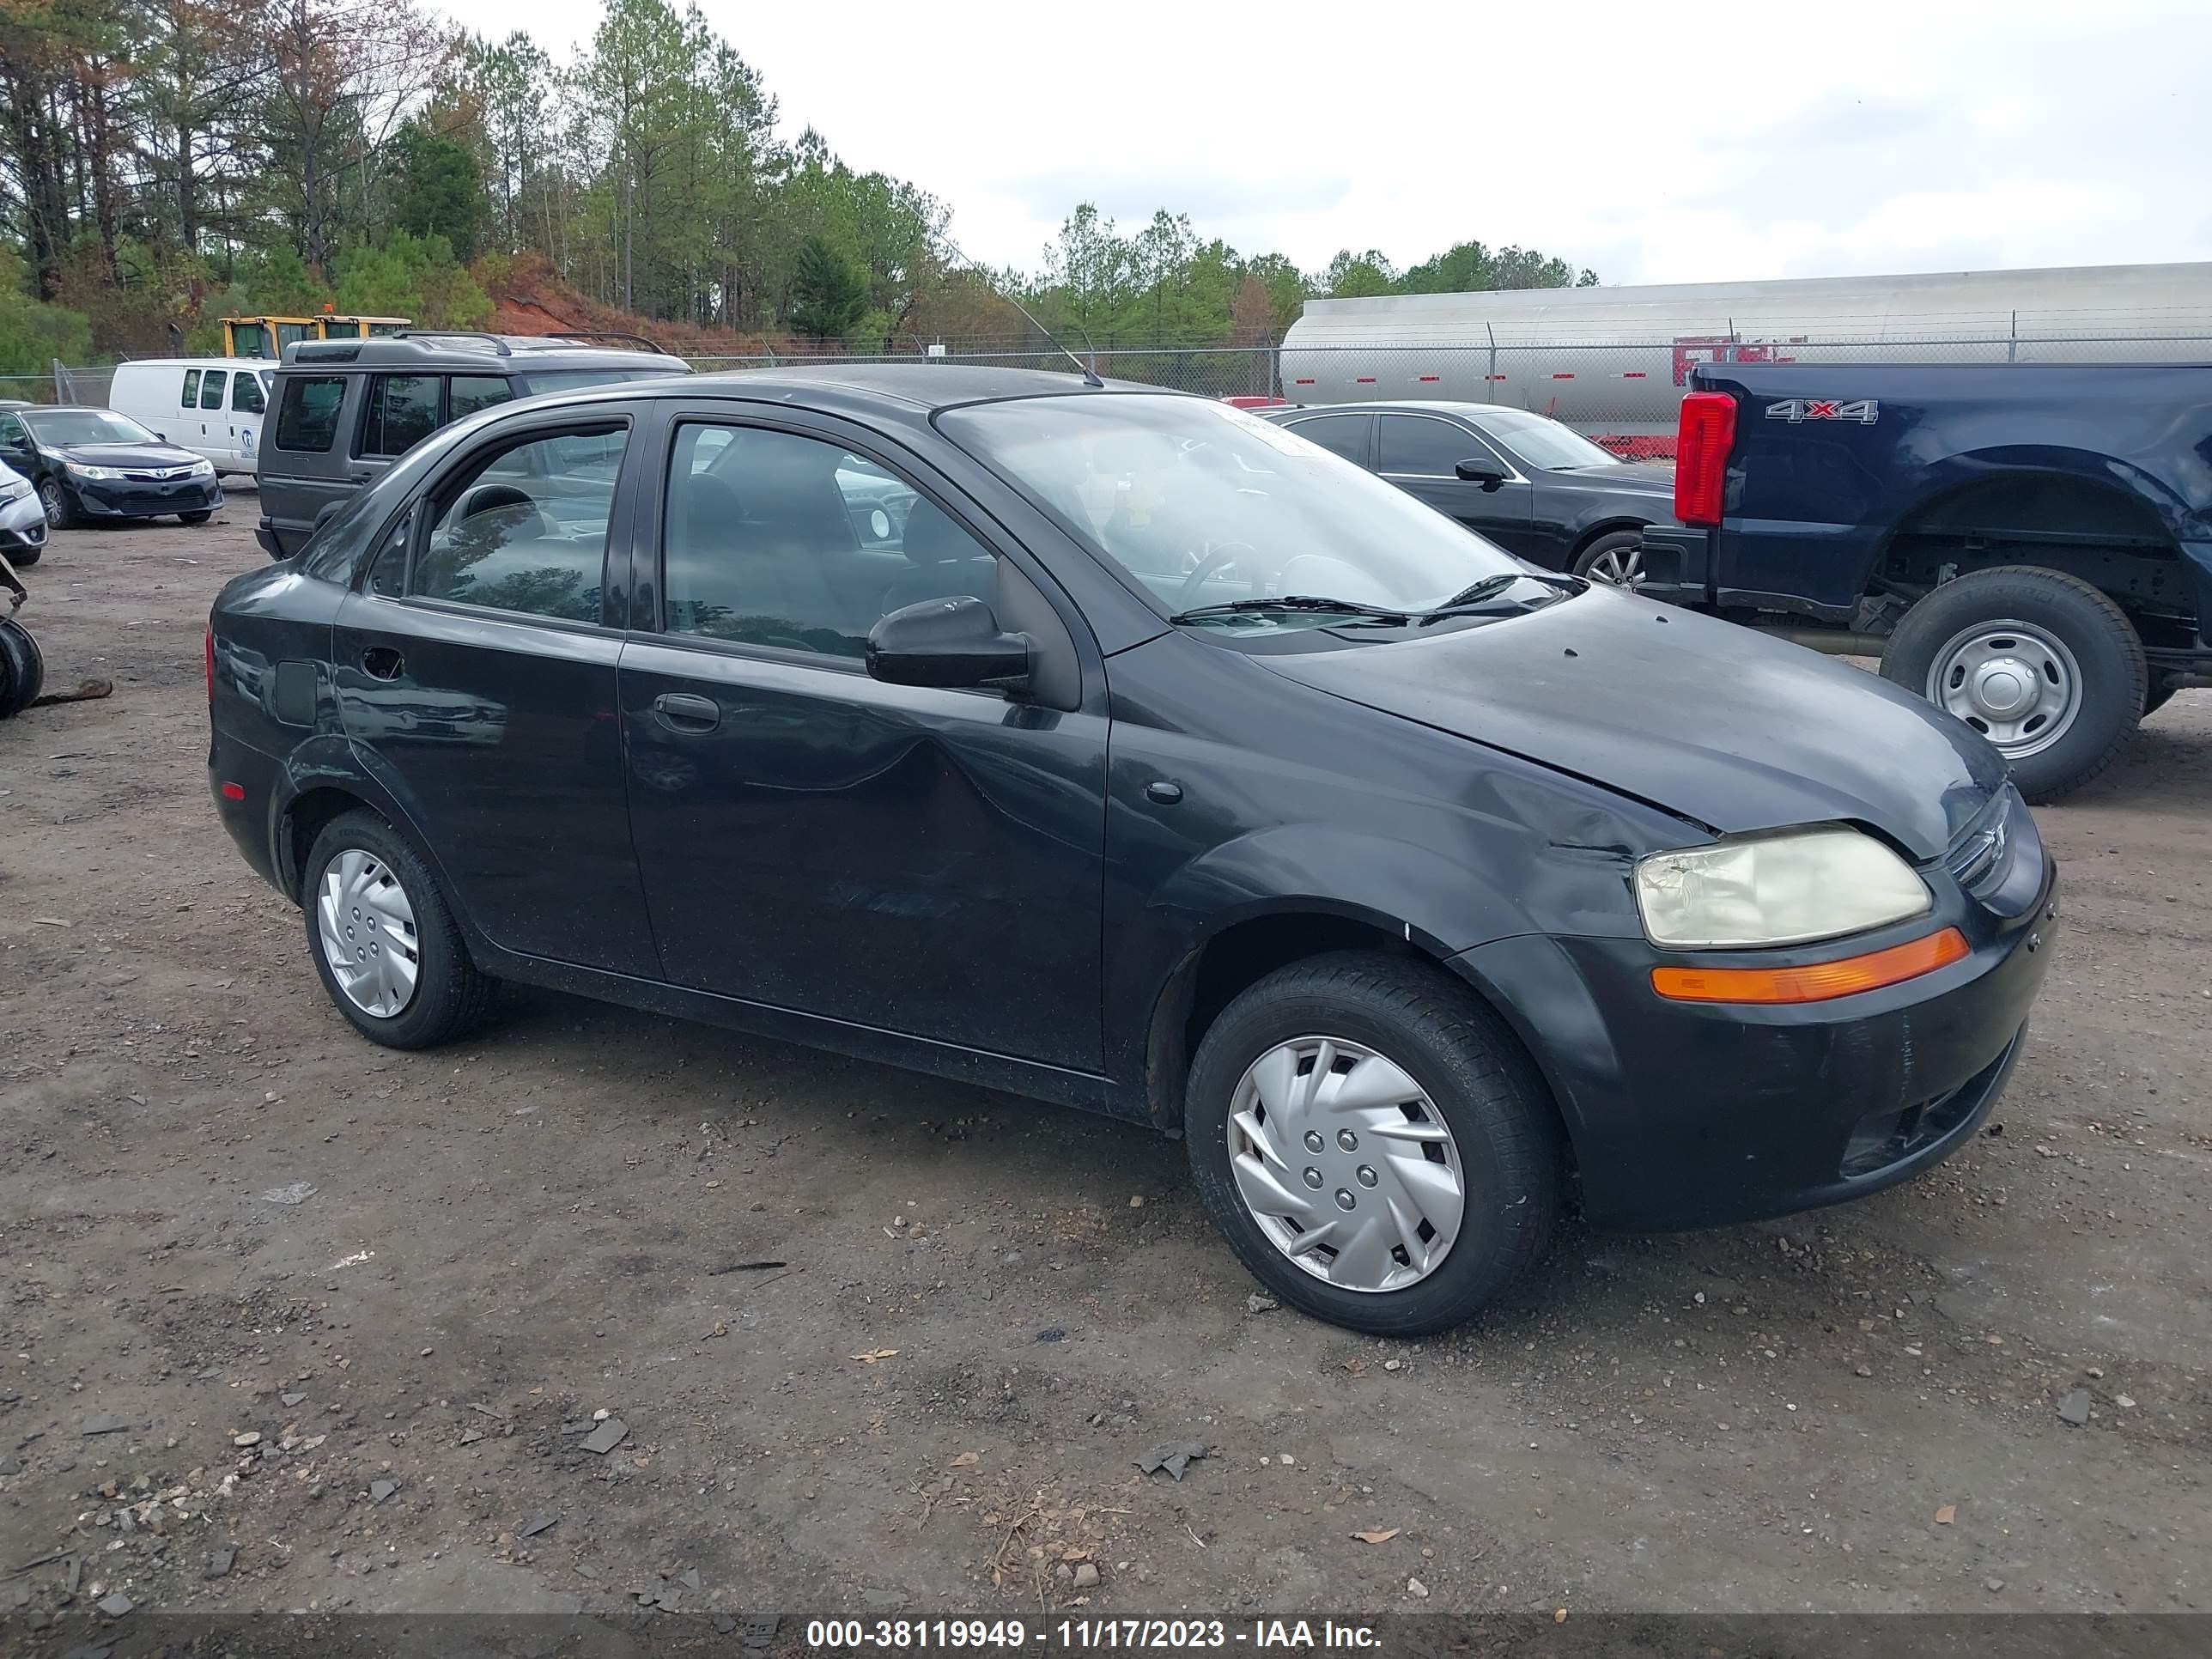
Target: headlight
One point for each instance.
(1784, 889)
(94, 473)
(204, 468)
(14, 489)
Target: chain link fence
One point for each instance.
(1624, 395)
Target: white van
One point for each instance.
(212, 406)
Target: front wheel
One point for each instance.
(2040, 663)
(61, 514)
(1615, 558)
(1372, 1143)
(201, 517)
(384, 940)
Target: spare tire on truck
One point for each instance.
(2040, 663)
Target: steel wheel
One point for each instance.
(1346, 1163)
(367, 927)
(2015, 684)
(1620, 567)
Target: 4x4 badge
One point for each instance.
(1795, 409)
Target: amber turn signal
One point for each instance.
(1815, 981)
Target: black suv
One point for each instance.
(345, 409)
(1117, 747)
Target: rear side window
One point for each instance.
(212, 388)
(471, 392)
(1339, 434)
(192, 397)
(246, 397)
(308, 415)
(403, 410)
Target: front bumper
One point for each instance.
(1689, 1114)
(23, 525)
(129, 498)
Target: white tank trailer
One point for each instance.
(1613, 362)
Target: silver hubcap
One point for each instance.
(368, 929)
(1346, 1163)
(1621, 566)
(2012, 682)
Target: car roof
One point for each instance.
(211, 362)
(499, 354)
(920, 384)
(1406, 406)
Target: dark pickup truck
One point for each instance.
(2029, 545)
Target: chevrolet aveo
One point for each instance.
(1121, 749)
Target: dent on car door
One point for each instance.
(918, 860)
(476, 668)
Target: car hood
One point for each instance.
(138, 457)
(1644, 477)
(1711, 721)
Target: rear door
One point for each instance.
(1420, 453)
(303, 466)
(475, 671)
(398, 412)
(1350, 434)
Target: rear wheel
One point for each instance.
(1372, 1143)
(61, 513)
(384, 940)
(1615, 558)
(2040, 663)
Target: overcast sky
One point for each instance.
(1655, 141)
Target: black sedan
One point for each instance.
(89, 465)
(1534, 486)
(1152, 761)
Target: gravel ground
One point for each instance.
(291, 1322)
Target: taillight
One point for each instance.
(210, 662)
(1702, 441)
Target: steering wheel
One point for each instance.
(1206, 566)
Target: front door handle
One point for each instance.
(681, 711)
(381, 662)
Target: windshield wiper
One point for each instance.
(1293, 602)
(1470, 598)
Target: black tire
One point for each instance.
(2105, 645)
(24, 557)
(1613, 544)
(1499, 1114)
(27, 667)
(451, 996)
(54, 497)
(201, 517)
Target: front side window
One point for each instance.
(1200, 504)
(212, 388)
(524, 528)
(12, 435)
(403, 410)
(1539, 440)
(1423, 447)
(191, 398)
(246, 397)
(307, 417)
(772, 539)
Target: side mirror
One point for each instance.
(163, 436)
(1481, 470)
(954, 643)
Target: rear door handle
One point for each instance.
(381, 662)
(681, 711)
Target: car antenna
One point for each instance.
(1090, 369)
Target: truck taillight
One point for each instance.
(1702, 441)
(210, 664)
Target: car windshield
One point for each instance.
(1542, 442)
(1204, 505)
(66, 428)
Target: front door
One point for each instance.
(1417, 454)
(213, 440)
(475, 671)
(248, 402)
(919, 861)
